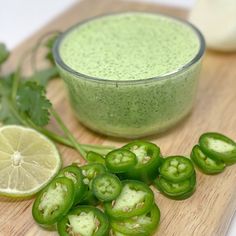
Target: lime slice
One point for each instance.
(28, 161)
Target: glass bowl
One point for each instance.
(132, 108)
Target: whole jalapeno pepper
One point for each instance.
(74, 173)
(120, 160)
(93, 157)
(176, 191)
(89, 172)
(142, 225)
(106, 187)
(54, 201)
(176, 168)
(219, 147)
(136, 198)
(206, 164)
(149, 160)
(84, 220)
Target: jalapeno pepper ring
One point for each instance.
(176, 168)
(117, 233)
(219, 147)
(89, 172)
(177, 191)
(75, 174)
(136, 198)
(93, 157)
(120, 160)
(141, 225)
(84, 220)
(149, 160)
(54, 201)
(206, 164)
(106, 187)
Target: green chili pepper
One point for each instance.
(219, 147)
(120, 160)
(139, 225)
(176, 168)
(177, 191)
(89, 199)
(75, 174)
(89, 172)
(54, 201)
(206, 164)
(149, 160)
(93, 157)
(116, 233)
(84, 220)
(106, 187)
(135, 199)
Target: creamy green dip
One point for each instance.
(107, 64)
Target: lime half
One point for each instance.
(28, 161)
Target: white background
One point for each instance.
(20, 18)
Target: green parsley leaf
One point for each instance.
(4, 53)
(43, 76)
(32, 101)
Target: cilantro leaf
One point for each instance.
(32, 101)
(6, 115)
(4, 53)
(43, 76)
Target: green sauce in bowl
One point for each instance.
(130, 74)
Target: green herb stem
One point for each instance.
(17, 115)
(103, 150)
(16, 80)
(68, 133)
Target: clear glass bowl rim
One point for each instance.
(64, 66)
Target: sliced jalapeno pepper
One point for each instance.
(116, 233)
(206, 164)
(219, 147)
(93, 157)
(149, 160)
(176, 168)
(136, 198)
(89, 172)
(54, 201)
(177, 191)
(75, 174)
(84, 221)
(120, 160)
(106, 187)
(89, 199)
(139, 225)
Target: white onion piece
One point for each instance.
(216, 19)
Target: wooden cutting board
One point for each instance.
(209, 211)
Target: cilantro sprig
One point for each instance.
(23, 100)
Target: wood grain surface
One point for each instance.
(209, 211)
